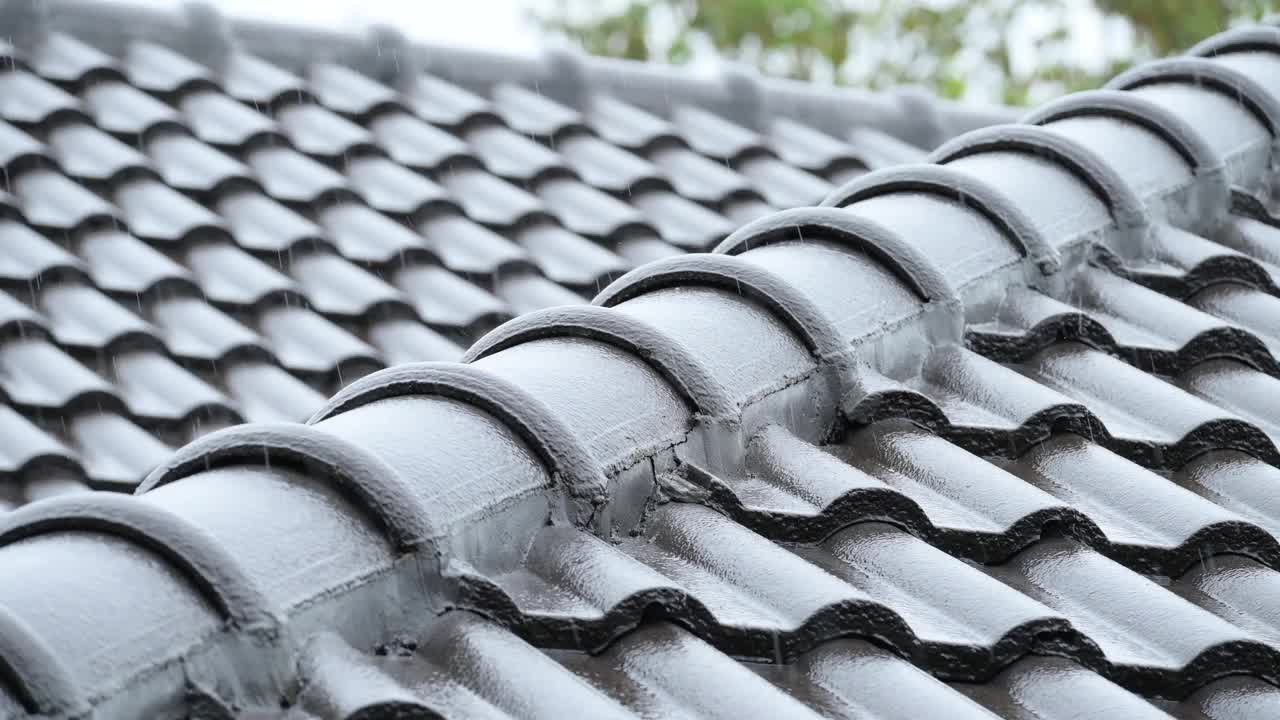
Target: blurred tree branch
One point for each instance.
(955, 48)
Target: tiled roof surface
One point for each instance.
(187, 247)
(988, 436)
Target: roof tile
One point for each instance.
(626, 125)
(392, 188)
(442, 103)
(227, 274)
(154, 387)
(156, 68)
(291, 177)
(29, 100)
(488, 199)
(588, 211)
(713, 135)
(348, 92)
(336, 287)
(446, 300)
(531, 113)
(113, 450)
(155, 211)
(122, 109)
(468, 248)
(607, 166)
(221, 121)
(1000, 443)
(85, 152)
(63, 58)
(317, 131)
(82, 317)
(260, 224)
(364, 235)
(511, 155)
(308, 343)
(28, 255)
(257, 82)
(50, 200)
(191, 166)
(414, 143)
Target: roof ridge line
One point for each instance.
(804, 279)
(905, 113)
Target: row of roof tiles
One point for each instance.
(274, 214)
(646, 425)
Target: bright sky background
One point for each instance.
(506, 24)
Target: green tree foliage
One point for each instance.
(1014, 51)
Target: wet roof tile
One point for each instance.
(348, 92)
(393, 188)
(220, 120)
(61, 57)
(192, 166)
(227, 274)
(29, 255)
(52, 200)
(256, 81)
(468, 248)
(317, 131)
(15, 146)
(586, 210)
(83, 151)
(365, 235)
(156, 68)
(336, 287)
(988, 436)
(125, 110)
(626, 125)
(713, 135)
(259, 223)
(532, 113)
(488, 199)
(607, 166)
(290, 176)
(308, 343)
(156, 211)
(511, 155)
(444, 103)
(26, 98)
(446, 300)
(414, 143)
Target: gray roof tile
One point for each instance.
(51, 200)
(257, 82)
(1008, 411)
(155, 211)
(63, 58)
(366, 236)
(28, 255)
(192, 166)
(393, 188)
(123, 109)
(346, 91)
(220, 120)
(261, 224)
(316, 131)
(291, 177)
(158, 69)
(85, 152)
(509, 154)
(415, 143)
(27, 99)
